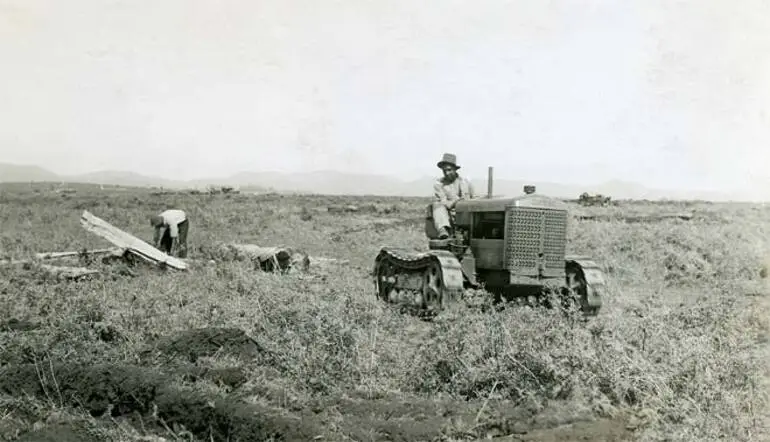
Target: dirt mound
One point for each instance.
(96, 388)
(197, 343)
(124, 390)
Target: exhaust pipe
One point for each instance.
(490, 173)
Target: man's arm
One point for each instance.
(158, 235)
(173, 231)
(438, 193)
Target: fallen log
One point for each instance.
(323, 260)
(130, 243)
(268, 259)
(314, 260)
(342, 209)
(636, 218)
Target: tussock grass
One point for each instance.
(679, 351)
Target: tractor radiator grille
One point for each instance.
(533, 231)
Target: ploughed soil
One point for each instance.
(197, 343)
(152, 398)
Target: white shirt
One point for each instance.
(171, 218)
(459, 188)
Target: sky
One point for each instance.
(669, 94)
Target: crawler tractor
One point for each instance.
(513, 248)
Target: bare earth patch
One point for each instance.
(115, 391)
(403, 419)
(145, 396)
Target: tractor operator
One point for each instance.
(447, 191)
(171, 228)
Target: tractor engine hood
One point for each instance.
(501, 204)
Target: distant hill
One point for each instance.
(119, 178)
(10, 173)
(337, 183)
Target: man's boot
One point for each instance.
(441, 219)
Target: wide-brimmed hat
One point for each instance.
(448, 158)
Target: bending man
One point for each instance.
(171, 227)
(447, 191)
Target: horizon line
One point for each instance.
(395, 177)
(300, 192)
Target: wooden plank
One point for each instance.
(54, 255)
(65, 272)
(128, 242)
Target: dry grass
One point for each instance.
(678, 353)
